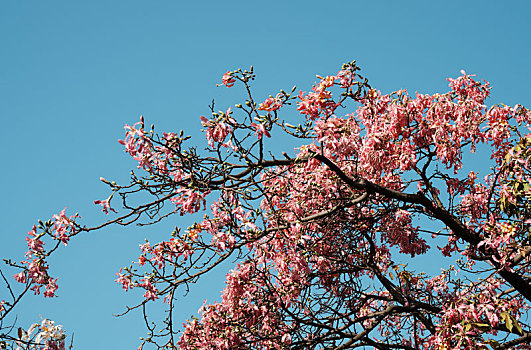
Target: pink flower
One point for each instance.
(228, 80)
(138, 145)
(51, 287)
(189, 201)
(142, 260)
(63, 225)
(260, 130)
(217, 130)
(106, 205)
(124, 280)
(35, 245)
(271, 104)
(286, 338)
(21, 277)
(151, 291)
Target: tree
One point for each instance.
(325, 237)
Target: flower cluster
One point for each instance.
(319, 103)
(474, 311)
(271, 104)
(43, 336)
(35, 269)
(218, 129)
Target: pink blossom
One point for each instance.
(188, 200)
(64, 225)
(106, 205)
(21, 277)
(260, 130)
(228, 80)
(51, 288)
(35, 245)
(271, 104)
(217, 130)
(124, 280)
(151, 291)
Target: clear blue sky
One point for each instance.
(72, 73)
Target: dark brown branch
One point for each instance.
(458, 228)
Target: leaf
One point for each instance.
(518, 328)
(511, 322)
(481, 326)
(508, 320)
(507, 157)
(503, 203)
(516, 325)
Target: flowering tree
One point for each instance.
(33, 276)
(324, 236)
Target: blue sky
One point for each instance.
(73, 73)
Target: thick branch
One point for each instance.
(458, 228)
